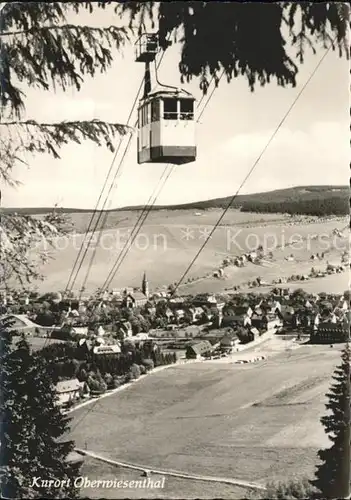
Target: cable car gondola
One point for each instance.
(166, 123)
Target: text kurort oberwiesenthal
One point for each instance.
(85, 482)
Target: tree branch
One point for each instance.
(61, 57)
(246, 38)
(22, 238)
(116, 30)
(34, 138)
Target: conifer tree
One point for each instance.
(33, 428)
(252, 39)
(332, 477)
(40, 48)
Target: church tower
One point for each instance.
(145, 286)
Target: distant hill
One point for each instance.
(44, 210)
(296, 194)
(269, 201)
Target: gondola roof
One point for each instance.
(161, 91)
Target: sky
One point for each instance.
(311, 147)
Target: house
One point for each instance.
(98, 350)
(244, 310)
(288, 316)
(255, 333)
(22, 324)
(229, 340)
(117, 300)
(141, 336)
(72, 313)
(284, 292)
(316, 321)
(259, 320)
(24, 300)
(330, 333)
(231, 320)
(68, 391)
(176, 301)
(205, 299)
(214, 335)
(219, 273)
(197, 313)
(99, 331)
(151, 311)
(125, 329)
(169, 314)
(276, 306)
(207, 314)
(240, 316)
(135, 299)
(200, 299)
(198, 349)
(217, 306)
(266, 305)
(273, 321)
(331, 318)
(179, 313)
(81, 331)
(251, 256)
(344, 305)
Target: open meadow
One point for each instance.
(174, 487)
(169, 241)
(253, 422)
(334, 284)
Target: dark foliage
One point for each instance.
(31, 441)
(332, 205)
(333, 474)
(68, 360)
(249, 38)
(39, 49)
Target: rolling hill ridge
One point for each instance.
(268, 201)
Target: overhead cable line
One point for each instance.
(113, 184)
(82, 253)
(70, 284)
(251, 170)
(136, 230)
(146, 210)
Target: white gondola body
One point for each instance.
(166, 132)
(166, 124)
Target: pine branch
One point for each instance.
(47, 137)
(9, 155)
(32, 137)
(26, 15)
(246, 39)
(20, 236)
(116, 30)
(44, 56)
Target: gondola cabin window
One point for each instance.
(144, 115)
(186, 109)
(170, 108)
(155, 111)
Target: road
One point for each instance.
(182, 475)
